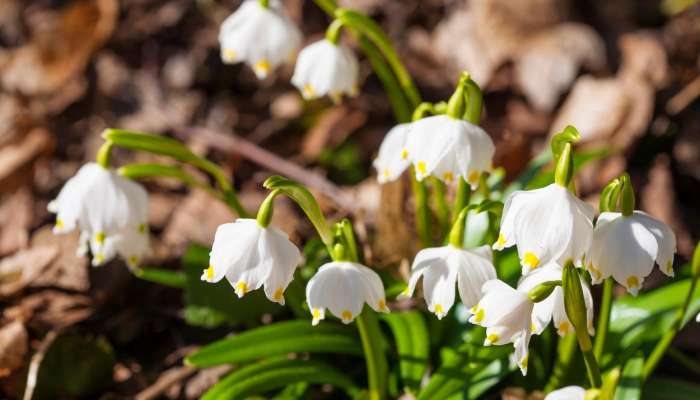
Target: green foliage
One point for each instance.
(630, 385)
(412, 344)
(269, 375)
(295, 336)
(75, 366)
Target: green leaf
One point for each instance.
(306, 201)
(670, 389)
(151, 143)
(630, 385)
(166, 277)
(412, 343)
(278, 339)
(75, 366)
(212, 304)
(488, 377)
(269, 375)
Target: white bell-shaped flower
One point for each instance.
(442, 267)
(552, 308)
(111, 212)
(506, 314)
(325, 68)
(250, 256)
(448, 148)
(567, 393)
(547, 224)
(262, 37)
(626, 247)
(392, 159)
(344, 287)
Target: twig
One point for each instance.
(36, 363)
(231, 143)
(686, 96)
(165, 381)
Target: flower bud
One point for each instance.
(626, 196)
(573, 299)
(542, 291)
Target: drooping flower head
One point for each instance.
(110, 211)
(506, 313)
(449, 148)
(250, 256)
(626, 247)
(547, 225)
(552, 308)
(392, 158)
(442, 267)
(326, 68)
(262, 37)
(344, 287)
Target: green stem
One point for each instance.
(144, 171)
(166, 277)
(371, 30)
(566, 350)
(370, 333)
(442, 209)
(104, 154)
(422, 212)
(584, 342)
(655, 357)
(604, 318)
(328, 6)
(461, 198)
(333, 31)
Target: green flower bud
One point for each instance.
(573, 300)
(266, 208)
(542, 291)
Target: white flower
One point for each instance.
(263, 38)
(324, 68)
(392, 159)
(448, 148)
(343, 287)
(506, 314)
(110, 211)
(552, 308)
(567, 393)
(547, 224)
(626, 247)
(442, 267)
(250, 256)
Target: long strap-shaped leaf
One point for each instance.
(269, 375)
(278, 339)
(411, 335)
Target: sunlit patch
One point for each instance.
(346, 316)
(228, 55)
(404, 154)
(277, 296)
(531, 260)
(422, 168)
(448, 177)
(241, 288)
(473, 177)
(100, 238)
(492, 338)
(309, 90)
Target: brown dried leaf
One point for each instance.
(24, 268)
(68, 270)
(15, 158)
(60, 47)
(549, 62)
(15, 220)
(644, 58)
(14, 343)
(51, 309)
(331, 129)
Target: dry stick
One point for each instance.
(231, 143)
(683, 98)
(36, 363)
(165, 382)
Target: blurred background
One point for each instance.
(625, 73)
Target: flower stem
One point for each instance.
(368, 326)
(566, 349)
(333, 31)
(420, 194)
(655, 357)
(461, 198)
(584, 343)
(604, 318)
(442, 209)
(104, 154)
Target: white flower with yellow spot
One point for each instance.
(442, 267)
(110, 211)
(262, 37)
(567, 393)
(449, 148)
(325, 68)
(250, 256)
(392, 159)
(506, 314)
(552, 308)
(343, 287)
(626, 248)
(548, 225)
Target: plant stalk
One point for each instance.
(604, 318)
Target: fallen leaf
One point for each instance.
(67, 270)
(15, 220)
(331, 129)
(51, 309)
(16, 158)
(24, 268)
(14, 343)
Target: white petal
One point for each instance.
(439, 287)
(338, 286)
(665, 238)
(430, 140)
(70, 201)
(421, 263)
(374, 289)
(234, 243)
(567, 393)
(324, 68)
(521, 353)
(474, 267)
(285, 256)
(392, 159)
